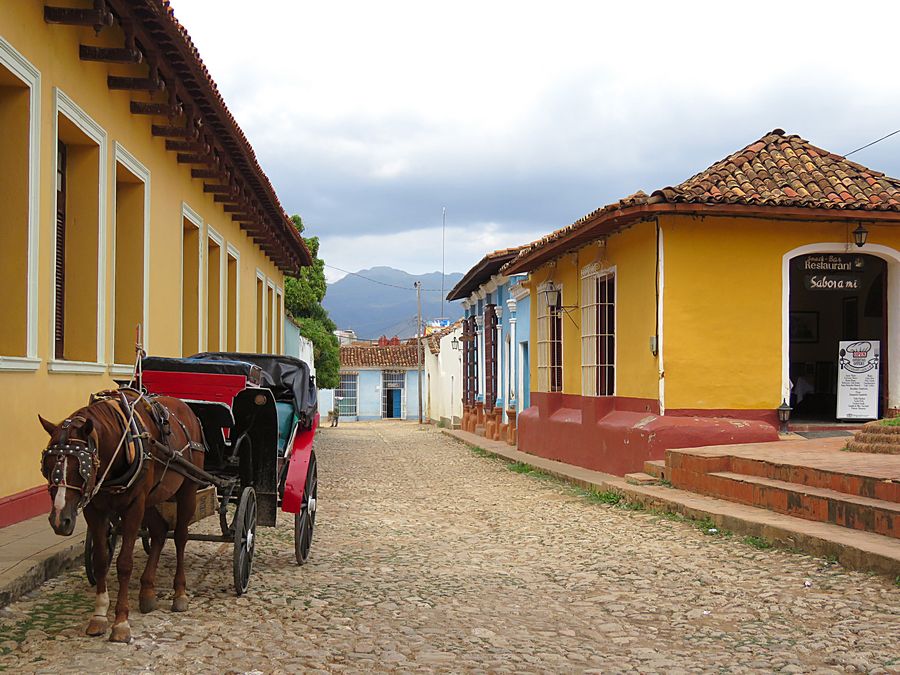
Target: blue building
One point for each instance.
(378, 381)
(495, 346)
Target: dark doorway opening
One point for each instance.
(833, 297)
(393, 385)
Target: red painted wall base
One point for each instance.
(617, 435)
(24, 505)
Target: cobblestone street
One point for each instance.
(429, 557)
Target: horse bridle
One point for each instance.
(83, 452)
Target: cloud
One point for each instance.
(370, 117)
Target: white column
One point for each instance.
(513, 348)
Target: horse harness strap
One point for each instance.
(84, 452)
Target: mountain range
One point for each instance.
(382, 301)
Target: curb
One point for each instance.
(42, 570)
(853, 549)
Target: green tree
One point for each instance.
(303, 297)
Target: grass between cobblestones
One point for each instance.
(53, 613)
(615, 499)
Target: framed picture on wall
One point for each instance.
(804, 327)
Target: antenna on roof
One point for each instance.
(443, 254)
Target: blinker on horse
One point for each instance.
(111, 459)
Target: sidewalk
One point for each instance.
(852, 548)
(31, 552)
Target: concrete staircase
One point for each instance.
(854, 490)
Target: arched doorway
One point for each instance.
(833, 297)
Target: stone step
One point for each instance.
(640, 478)
(808, 502)
(850, 473)
(656, 467)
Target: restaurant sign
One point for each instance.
(832, 271)
(857, 395)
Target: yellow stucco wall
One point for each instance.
(633, 255)
(722, 332)
(723, 305)
(53, 51)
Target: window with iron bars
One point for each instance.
(598, 328)
(347, 391)
(549, 342)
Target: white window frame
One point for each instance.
(270, 320)
(394, 376)
(126, 159)
(212, 234)
(19, 66)
(279, 309)
(265, 312)
(545, 342)
(233, 252)
(63, 105)
(340, 392)
(189, 214)
(591, 276)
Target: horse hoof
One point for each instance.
(148, 604)
(97, 626)
(180, 604)
(121, 632)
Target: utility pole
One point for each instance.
(419, 331)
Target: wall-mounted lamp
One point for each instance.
(554, 299)
(553, 296)
(860, 234)
(784, 414)
(454, 343)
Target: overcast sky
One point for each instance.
(520, 117)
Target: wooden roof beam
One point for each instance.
(204, 173)
(134, 83)
(193, 158)
(98, 18)
(173, 131)
(109, 54)
(162, 109)
(175, 145)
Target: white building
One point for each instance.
(443, 374)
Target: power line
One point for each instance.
(383, 283)
(869, 145)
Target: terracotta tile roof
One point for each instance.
(482, 271)
(181, 54)
(434, 340)
(786, 170)
(375, 356)
(778, 170)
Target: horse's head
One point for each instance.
(69, 463)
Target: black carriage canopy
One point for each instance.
(287, 377)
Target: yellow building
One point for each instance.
(660, 321)
(129, 197)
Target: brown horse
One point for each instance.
(112, 458)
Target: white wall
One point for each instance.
(443, 373)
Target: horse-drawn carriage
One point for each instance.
(258, 414)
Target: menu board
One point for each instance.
(857, 387)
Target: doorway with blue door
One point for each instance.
(393, 394)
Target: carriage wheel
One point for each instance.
(305, 521)
(244, 540)
(112, 537)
